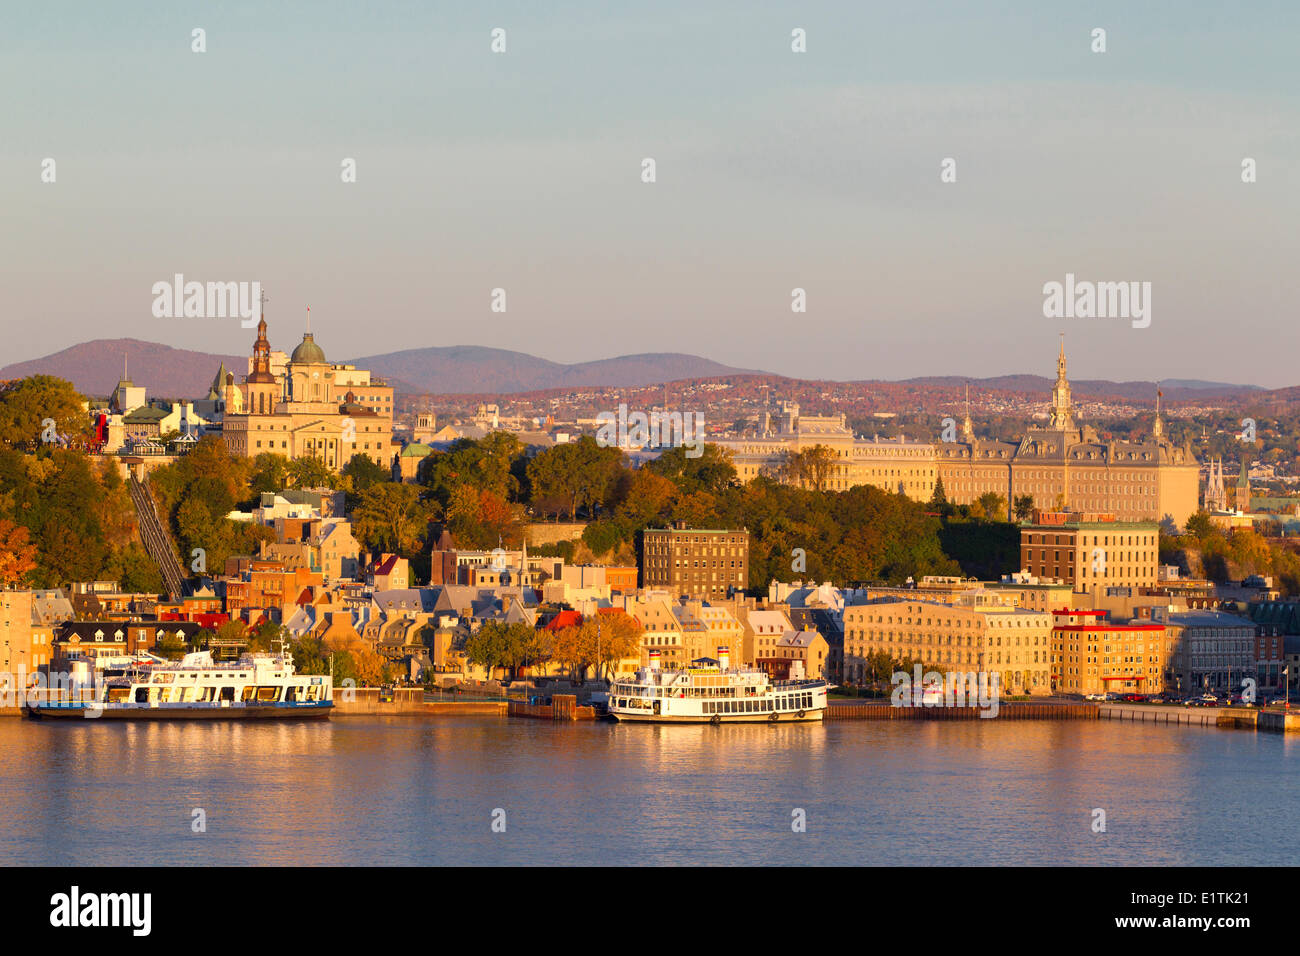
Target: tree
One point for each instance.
(270, 473)
(362, 473)
(309, 657)
(810, 467)
(993, 505)
(17, 554)
(27, 403)
(1024, 507)
(310, 473)
(939, 498)
(391, 517)
(491, 463)
(481, 518)
(134, 571)
(496, 644)
(711, 471)
(354, 658)
(582, 474)
(610, 638)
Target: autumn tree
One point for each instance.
(354, 657)
(497, 644)
(710, 471)
(810, 467)
(479, 518)
(493, 463)
(610, 638)
(17, 554)
(361, 472)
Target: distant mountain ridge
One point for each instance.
(476, 368)
(96, 367)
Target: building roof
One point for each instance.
(308, 352)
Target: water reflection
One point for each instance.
(409, 791)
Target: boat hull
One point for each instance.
(178, 712)
(809, 717)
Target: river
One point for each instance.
(413, 791)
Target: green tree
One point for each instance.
(939, 497)
(492, 463)
(270, 473)
(27, 403)
(711, 471)
(310, 473)
(580, 474)
(391, 517)
(362, 473)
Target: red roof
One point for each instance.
(1108, 627)
(564, 619)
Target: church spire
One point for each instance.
(1158, 426)
(1062, 410)
(967, 426)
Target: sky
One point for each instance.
(775, 170)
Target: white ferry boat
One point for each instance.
(257, 686)
(710, 691)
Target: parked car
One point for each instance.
(1205, 700)
(1135, 698)
(1094, 696)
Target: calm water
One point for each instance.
(412, 791)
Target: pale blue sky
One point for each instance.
(775, 170)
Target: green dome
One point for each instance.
(308, 352)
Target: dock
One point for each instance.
(846, 710)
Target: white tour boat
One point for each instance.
(257, 686)
(712, 692)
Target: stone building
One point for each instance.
(1090, 552)
(1093, 655)
(305, 407)
(977, 632)
(702, 564)
(1069, 465)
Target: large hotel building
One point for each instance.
(1060, 464)
(1090, 552)
(303, 407)
(706, 565)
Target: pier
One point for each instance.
(843, 710)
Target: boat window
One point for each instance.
(142, 695)
(228, 693)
